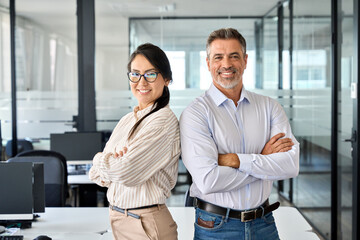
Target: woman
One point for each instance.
(139, 163)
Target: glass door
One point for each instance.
(345, 122)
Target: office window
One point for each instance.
(310, 68)
(5, 81)
(270, 69)
(190, 66)
(306, 74)
(270, 51)
(302, 74)
(311, 113)
(46, 68)
(184, 46)
(205, 76)
(177, 59)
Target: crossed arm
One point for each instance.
(213, 172)
(275, 145)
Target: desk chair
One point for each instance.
(48, 153)
(23, 145)
(53, 178)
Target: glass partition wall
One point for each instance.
(312, 115)
(345, 124)
(46, 70)
(185, 46)
(290, 59)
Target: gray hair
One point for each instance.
(225, 33)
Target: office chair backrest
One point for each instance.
(47, 153)
(23, 145)
(53, 178)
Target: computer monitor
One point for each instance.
(77, 146)
(22, 190)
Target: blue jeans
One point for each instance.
(221, 227)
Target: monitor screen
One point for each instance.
(16, 188)
(77, 146)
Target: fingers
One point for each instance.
(285, 149)
(276, 138)
(279, 144)
(282, 144)
(281, 147)
(121, 152)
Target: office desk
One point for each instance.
(84, 190)
(79, 179)
(89, 223)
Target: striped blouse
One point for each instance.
(148, 171)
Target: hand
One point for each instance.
(275, 144)
(229, 160)
(121, 152)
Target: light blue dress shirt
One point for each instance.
(213, 125)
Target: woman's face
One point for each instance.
(146, 93)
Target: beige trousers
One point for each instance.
(155, 223)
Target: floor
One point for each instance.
(312, 190)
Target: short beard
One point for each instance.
(229, 85)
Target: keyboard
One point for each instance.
(13, 237)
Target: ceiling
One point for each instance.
(173, 8)
(148, 8)
(113, 14)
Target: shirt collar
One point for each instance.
(140, 113)
(218, 97)
(244, 95)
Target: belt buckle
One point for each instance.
(245, 212)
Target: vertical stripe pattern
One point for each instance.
(148, 171)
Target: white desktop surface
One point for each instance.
(87, 223)
(292, 225)
(78, 162)
(79, 179)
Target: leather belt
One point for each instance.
(244, 216)
(125, 211)
(143, 207)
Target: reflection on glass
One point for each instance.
(312, 114)
(46, 70)
(345, 161)
(270, 52)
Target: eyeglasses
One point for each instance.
(135, 77)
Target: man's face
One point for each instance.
(226, 63)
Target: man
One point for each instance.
(235, 143)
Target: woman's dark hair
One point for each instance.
(159, 60)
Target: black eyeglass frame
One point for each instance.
(143, 75)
